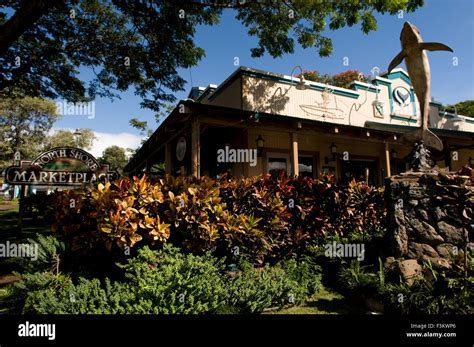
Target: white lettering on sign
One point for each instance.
(38, 173)
(47, 177)
(19, 176)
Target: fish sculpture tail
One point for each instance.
(429, 138)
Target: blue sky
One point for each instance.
(448, 21)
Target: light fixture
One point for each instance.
(301, 85)
(333, 149)
(336, 130)
(260, 142)
(256, 117)
(368, 133)
(17, 157)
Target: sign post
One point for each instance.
(21, 202)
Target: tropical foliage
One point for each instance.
(263, 218)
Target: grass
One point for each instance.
(4, 201)
(326, 301)
(9, 226)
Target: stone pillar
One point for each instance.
(423, 225)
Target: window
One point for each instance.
(306, 166)
(276, 164)
(358, 169)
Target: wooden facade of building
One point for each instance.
(303, 128)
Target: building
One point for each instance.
(302, 127)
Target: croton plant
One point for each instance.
(263, 218)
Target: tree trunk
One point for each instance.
(24, 18)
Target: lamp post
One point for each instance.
(77, 134)
(16, 162)
(21, 203)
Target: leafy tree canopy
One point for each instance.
(143, 126)
(343, 79)
(24, 123)
(465, 108)
(115, 157)
(82, 138)
(141, 44)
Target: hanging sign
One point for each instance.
(181, 148)
(64, 166)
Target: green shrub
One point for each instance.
(253, 290)
(442, 295)
(358, 279)
(169, 281)
(166, 282)
(86, 297)
(436, 293)
(36, 285)
(45, 293)
(49, 250)
(305, 272)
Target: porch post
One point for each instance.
(195, 148)
(168, 157)
(294, 154)
(388, 172)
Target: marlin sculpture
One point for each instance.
(416, 60)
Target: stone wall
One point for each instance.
(425, 218)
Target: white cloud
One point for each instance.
(104, 140)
